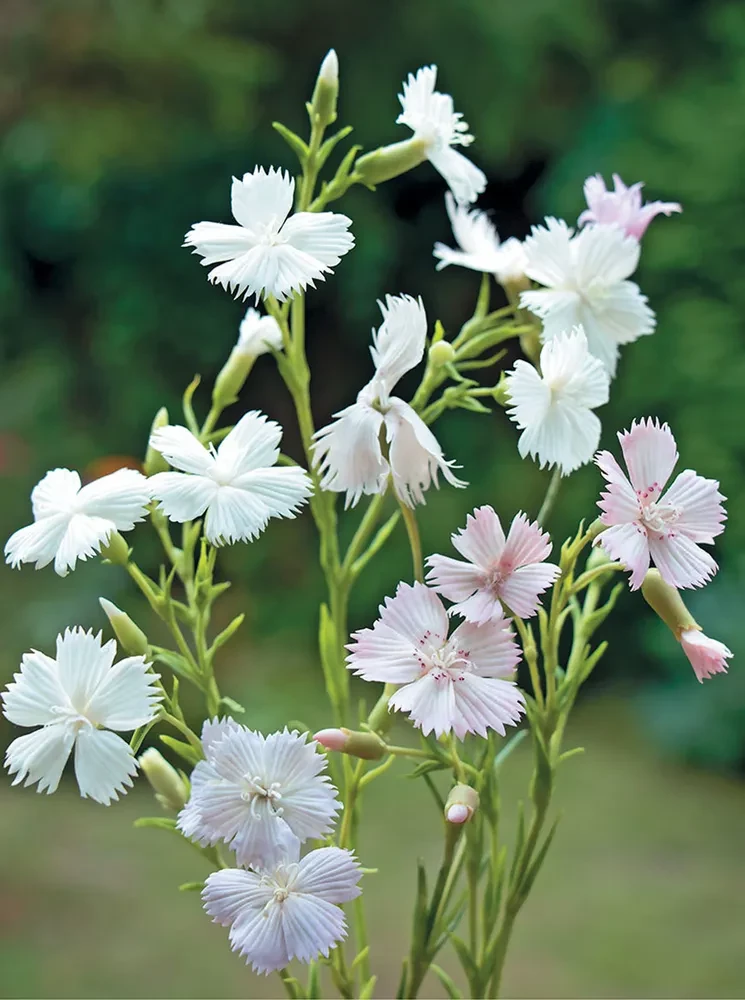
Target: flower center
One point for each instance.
(495, 576)
(447, 664)
(269, 234)
(69, 714)
(658, 518)
(263, 799)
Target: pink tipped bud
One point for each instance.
(462, 803)
(707, 656)
(367, 746)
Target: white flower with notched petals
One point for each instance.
(432, 118)
(290, 910)
(586, 285)
(258, 334)
(261, 795)
(553, 407)
(448, 684)
(479, 245)
(268, 253)
(348, 451)
(236, 485)
(72, 521)
(77, 699)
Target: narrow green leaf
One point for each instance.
(232, 704)
(174, 661)
(450, 988)
(466, 960)
(510, 746)
(295, 143)
(185, 750)
(532, 872)
(331, 143)
(361, 956)
(425, 767)
(159, 822)
(227, 633)
(191, 420)
(191, 887)
(367, 989)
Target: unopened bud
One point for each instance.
(130, 637)
(322, 106)
(390, 161)
(668, 604)
(442, 353)
(170, 789)
(597, 558)
(154, 461)
(257, 335)
(461, 804)
(116, 550)
(367, 746)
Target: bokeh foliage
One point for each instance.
(122, 122)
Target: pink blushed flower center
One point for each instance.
(446, 664)
(658, 518)
(496, 576)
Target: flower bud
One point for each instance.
(368, 746)
(130, 637)
(170, 789)
(390, 161)
(322, 107)
(257, 335)
(668, 603)
(116, 549)
(598, 557)
(461, 804)
(442, 353)
(154, 461)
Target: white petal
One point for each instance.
(235, 515)
(182, 450)
(228, 893)
(650, 453)
(465, 179)
(567, 437)
(681, 562)
(82, 539)
(483, 703)
(278, 270)
(260, 938)
(329, 873)
(453, 578)
(348, 454)
(37, 543)
(35, 692)
(213, 731)
(311, 926)
(702, 515)
(549, 255)
(104, 765)
(127, 697)
(183, 497)
(83, 662)
(627, 544)
(262, 198)
(121, 497)
(482, 540)
(415, 455)
(521, 589)
(55, 493)
(482, 607)
(473, 230)
(322, 235)
(572, 372)
(491, 647)
(398, 344)
(604, 254)
(263, 841)
(282, 490)
(430, 704)
(41, 756)
(216, 242)
(259, 334)
(252, 444)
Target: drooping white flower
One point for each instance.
(706, 656)
(480, 246)
(348, 451)
(622, 206)
(77, 699)
(512, 570)
(258, 334)
(553, 407)
(236, 485)
(268, 253)
(72, 521)
(585, 278)
(290, 910)
(261, 795)
(454, 684)
(432, 118)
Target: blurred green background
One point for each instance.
(122, 123)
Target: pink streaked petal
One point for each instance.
(381, 654)
(452, 578)
(707, 656)
(650, 453)
(414, 612)
(482, 607)
(482, 540)
(628, 544)
(619, 503)
(702, 515)
(485, 703)
(638, 225)
(521, 590)
(491, 647)
(429, 703)
(526, 543)
(680, 561)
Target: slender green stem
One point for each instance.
(412, 530)
(550, 498)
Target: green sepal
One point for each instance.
(185, 750)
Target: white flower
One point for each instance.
(448, 684)
(348, 451)
(236, 485)
(585, 278)
(289, 911)
(261, 795)
(432, 118)
(72, 521)
(258, 334)
(268, 253)
(76, 699)
(480, 247)
(553, 408)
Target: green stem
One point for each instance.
(412, 530)
(550, 497)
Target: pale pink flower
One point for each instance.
(453, 684)
(286, 910)
(512, 571)
(644, 524)
(707, 656)
(622, 206)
